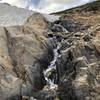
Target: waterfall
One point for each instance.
(50, 73)
(63, 29)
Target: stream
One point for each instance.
(50, 73)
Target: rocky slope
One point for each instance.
(79, 62)
(44, 60)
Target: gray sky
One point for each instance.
(46, 6)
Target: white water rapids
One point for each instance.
(51, 68)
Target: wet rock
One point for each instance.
(86, 38)
(70, 25)
(57, 28)
(47, 93)
(64, 44)
(50, 73)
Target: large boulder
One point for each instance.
(24, 53)
(28, 48)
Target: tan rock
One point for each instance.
(96, 42)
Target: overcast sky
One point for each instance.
(46, 6)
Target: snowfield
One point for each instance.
(12, 15)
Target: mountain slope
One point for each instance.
(93, 6)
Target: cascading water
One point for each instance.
(64, 29)
(50, 73)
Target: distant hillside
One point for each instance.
(87, 15)
(93, 6)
